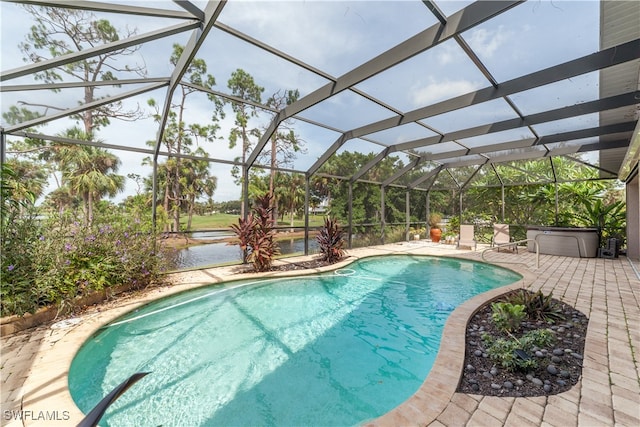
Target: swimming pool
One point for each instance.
(337, 348)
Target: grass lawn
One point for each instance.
(221, 220)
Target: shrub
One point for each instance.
(507, 351)
(506, 316)
(537, 305)
(330, 240)
(453, 226)
(434, 220)
(256, 236)
(503, 351)
(54, 260)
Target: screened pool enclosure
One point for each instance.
(407, 98)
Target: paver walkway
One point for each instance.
(608, 292)
(35, 363)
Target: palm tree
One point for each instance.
(90, 172)
(27, 181)
(198, 181)
(61, 199)
(290, 192)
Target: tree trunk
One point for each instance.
(167, 226)
(176, 216)
(190, 213)
(291, 218)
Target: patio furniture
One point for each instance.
(564, 241)
(501, 236)
(467, 236)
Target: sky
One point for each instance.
(334, 37)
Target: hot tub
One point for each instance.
(564, 241)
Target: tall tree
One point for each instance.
(366, 197)
(285, 143)
(61, 199)
(59, 32)
(244, 87)
(27, 181)
(11, 201)
(179, 136)
(294, 197)
(198, 182)
(89, 172)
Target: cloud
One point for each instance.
(327, 31)
(448, 53)
(436, 91)
(486, 42)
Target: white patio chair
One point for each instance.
(501, 237)
(467, 237)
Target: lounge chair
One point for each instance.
(467, 237)
(502, 237)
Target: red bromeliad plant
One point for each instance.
(244, 231)
(263, 245)
(256, 236)
(331, 240)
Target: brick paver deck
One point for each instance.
(35, 363)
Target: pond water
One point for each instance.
(220, 253)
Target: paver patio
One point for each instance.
(35, 362)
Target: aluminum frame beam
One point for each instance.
(98, 50)
(527, 144)
(71, 85)
(34, 135)
(474, 14)
(110, 8)
(84, 107)
(582, 162)
(401, 172)
(586, 133)
(426, 176)
(615, 55)
(212, 11)
(192, 9)
(537, 118)
(606, 58)
(589, 107)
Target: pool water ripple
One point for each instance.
(329, 349)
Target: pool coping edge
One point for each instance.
(61, 346)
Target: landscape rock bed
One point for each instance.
(559, 367)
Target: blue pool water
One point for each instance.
(334, 349)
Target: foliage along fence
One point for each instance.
(53, 261)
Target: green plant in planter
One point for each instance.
(435, 233)
(513, 354)
(434, 220)
(538, 306)
(330, 240)
(506, 316)
(610, 219)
